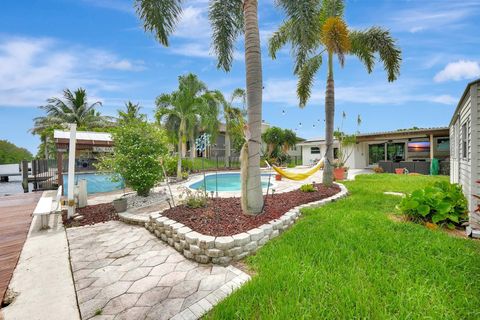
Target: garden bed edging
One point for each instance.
(223, 250)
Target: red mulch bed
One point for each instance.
(91, 215)
(224, 217)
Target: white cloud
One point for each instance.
(32, 70)
(283, 91)
(434, 16)
(459, 70)
(194, 23)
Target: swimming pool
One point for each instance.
(96, 182)
(226, 182)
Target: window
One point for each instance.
(315, 150)
(335, 153)
(443, 144)
(464, 141)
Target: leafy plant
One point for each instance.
(138, 148)
(278, 141)
(443, 203)
(291, 165)
(308, 188)
(193, 199)
(378, 169)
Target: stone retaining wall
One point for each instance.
(222, 250)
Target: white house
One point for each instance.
(465, 150)
(412, 149)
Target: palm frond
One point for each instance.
(279, 39)
(226, 18)
(306, 77)
(377, 40)
(159, 17)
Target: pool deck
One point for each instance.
(15, 218)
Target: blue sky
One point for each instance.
(49, 45)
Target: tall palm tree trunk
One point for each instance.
(227, 149)
(192, 148)
(180, 149)
(252, 193)
(329, 123)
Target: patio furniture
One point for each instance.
(47, 206)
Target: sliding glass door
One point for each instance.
(396, 151)
(392, 152)
(376, 152)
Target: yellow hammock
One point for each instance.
(298, 176)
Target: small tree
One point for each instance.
(138, 147)
(278, 141)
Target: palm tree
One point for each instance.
(229, 20)
(132, 113)
(234, 120)
(189, 105)
(73, 108)
(317, 27)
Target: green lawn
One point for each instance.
(349, 260)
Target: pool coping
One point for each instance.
(225, 249)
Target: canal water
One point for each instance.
(14, 186)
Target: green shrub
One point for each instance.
(308, 188)
(138, 148)
(291, 165)
(443, 203)
(170, 163)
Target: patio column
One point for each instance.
(60, 169)
(431, 146)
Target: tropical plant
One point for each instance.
(190, 105)
(278, 141)
(73, 108)
(346, 143)
(193, 199)
(443, 203)
(136, 158)
(308, 188)
(234, 122)
(131, 113)
(229, 20)
(316, 27)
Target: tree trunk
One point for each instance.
(329, 123)
(180, 147)
(253, 63)
(46, 147)
(192, 148)
(227, 149)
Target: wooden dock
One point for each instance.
(15, 218)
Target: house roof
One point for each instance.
(467, 89)
(83, 135)
(389, 134)
(85, 139)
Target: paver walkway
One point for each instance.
(124, 272)
(15, 218)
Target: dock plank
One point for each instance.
(15, 218)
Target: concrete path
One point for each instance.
(124, 272)
(42, 279)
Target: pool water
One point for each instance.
(226, 182)
(96, 182)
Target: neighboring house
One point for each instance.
(402, 148)
(465, 150)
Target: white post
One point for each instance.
(71, 169)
